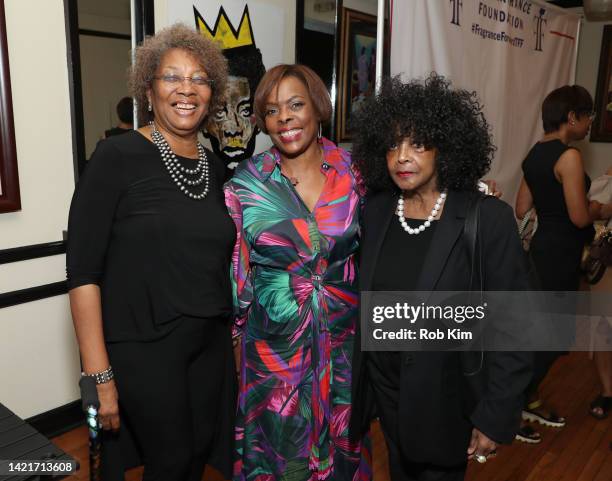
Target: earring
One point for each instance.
(320, 133)
(572, 122)
(150, 107)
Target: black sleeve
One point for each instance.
(498, 412)
(92, 214)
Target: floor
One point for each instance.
(579, 452)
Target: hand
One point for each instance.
(109, 405)
(492, 185)
(480, 444)
(606, 211)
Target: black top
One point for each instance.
(402, 256)
(155, 253)
(553, 218)
(116, 131)
(557, 244)
(399, 266)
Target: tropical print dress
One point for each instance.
(296, 298)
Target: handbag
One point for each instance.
(527, 228)
(472, 362)
(598, 256)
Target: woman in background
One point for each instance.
(555, 183)
(148, 254)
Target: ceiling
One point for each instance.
(567, 3)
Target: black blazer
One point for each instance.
(438, 403)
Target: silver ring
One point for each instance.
(481, 458)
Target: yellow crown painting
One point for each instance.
(224, 33)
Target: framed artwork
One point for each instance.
(601, 130)
(9, 179)
(357, 66)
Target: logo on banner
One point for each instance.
(539, 31)
(457, 6)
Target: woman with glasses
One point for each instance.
(148, 260)
(556, 185)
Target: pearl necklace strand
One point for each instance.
(178, 172)
(424, 225)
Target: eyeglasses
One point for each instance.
(176, 79)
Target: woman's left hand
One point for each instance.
(480, 444)
(493, 190)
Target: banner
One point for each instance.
(511, 52)
(251, 35)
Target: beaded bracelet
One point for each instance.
(101, 377)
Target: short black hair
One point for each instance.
(246, 62)
(431, 113)
(125, 110)
(560, 102)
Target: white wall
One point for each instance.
(38, 356)
(597, 155)
(288, 6)
(104, 64)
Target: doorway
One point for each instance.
(101, 36)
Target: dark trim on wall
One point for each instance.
(299, 49)
(145, 19)
(99, 33)
(59, 420)
(335, 106)
(74, 81)
(35, 251)
(10, 198)
(299, 30)
(31, 294)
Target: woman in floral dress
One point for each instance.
(296, 208)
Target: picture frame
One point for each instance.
(601, 129)
(10, 200)
(357, 71)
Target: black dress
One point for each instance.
(161, 260)
(556, 247)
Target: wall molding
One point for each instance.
(34, 251)
(100, 33)
(32, 294)
(59, 420)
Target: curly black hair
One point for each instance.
(432, 114)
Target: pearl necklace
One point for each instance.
(182, 176)
(424, 225)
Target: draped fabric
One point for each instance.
(295, 299)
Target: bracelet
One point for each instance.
(101, 377)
